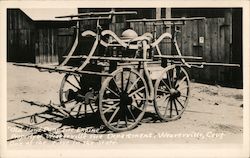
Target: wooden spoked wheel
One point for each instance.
(171, 93)
(123, 99)
(73, 98)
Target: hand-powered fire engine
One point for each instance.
(120, 76)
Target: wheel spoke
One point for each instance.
(91, 107)
(138, 90)
(78, 111)
(179, 102)
(138, 94)
(166, 110)
(137, 107)
(133, 85)
(126, 120)
(136, 101)
(126, 88)
(140, 99)
(159, 99)
(72, 84)
(68, 101)
(111, 100)
(165, 84)
(175, 77)
(85, 109)
(113, 92)
(184, 96)
(171, 108)
(111, 107)
(77, 80)
(182, 80)
(72, 108)
(166, 92)
(176, 108)
(116, 85)
(132, 114)
(113, 115)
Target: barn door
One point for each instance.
(210, 39)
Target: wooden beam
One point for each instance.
(177, 57)
(109, 58)
(62, 69)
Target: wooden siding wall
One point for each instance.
(20, 35)
(216, 34)
(64, 41)
(39, 42)
(45, 43)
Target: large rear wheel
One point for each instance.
(123, 99)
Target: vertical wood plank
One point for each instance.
(207, 49)
(201, 34)
(215, 54)
(52, 47)
(228, 40)
(195, 46)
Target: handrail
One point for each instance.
(91, 18)
(88, 33)
(112, 34)
(165, 35)
(141, 38)
(166, 19)
(98, 14)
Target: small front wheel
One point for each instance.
(171, 93)
(72, 97)
(123, 99)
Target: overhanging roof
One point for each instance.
(48, 14)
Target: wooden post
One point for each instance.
(165, 46)
(158, 13)
(113, 21)
(228, 42)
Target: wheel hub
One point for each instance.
(174, 93)
(125, 99)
